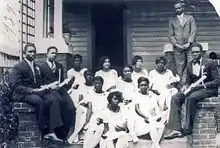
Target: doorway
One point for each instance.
(108, 38)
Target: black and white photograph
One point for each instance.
(109, 73)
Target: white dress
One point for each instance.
(99, 103)
(160, 81)
(110, 78)
(79, 76)
(149, 107)
(136, 75)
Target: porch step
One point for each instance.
(175, 143)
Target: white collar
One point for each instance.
(50, 63)
(181, 15)
(30, 63)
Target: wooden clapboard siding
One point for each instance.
(79, 22)
(148, 28)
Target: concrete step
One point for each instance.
(175, 143)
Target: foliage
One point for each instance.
(8, 118)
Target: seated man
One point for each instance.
(52, 72)
(197, 69)
(26, 87)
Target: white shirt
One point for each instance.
(31, 64)
(181, 18)
(196, 68)
(52, 65)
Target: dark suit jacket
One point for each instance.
(48, 76)
(182, 34)
(210, 68)
(23, 79)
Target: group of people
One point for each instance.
(109, 110)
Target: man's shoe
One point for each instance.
(186, 132)
(173, 134)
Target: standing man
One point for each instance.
(182, 33)
(52, 71)
(27, 87)
(198, 67)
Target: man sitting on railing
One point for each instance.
(26, 86)
(201, 80)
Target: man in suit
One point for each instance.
(27, 87)
(195, 69)
(182, 33)
(52, 71)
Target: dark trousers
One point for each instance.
(191, 105)
(181, 58)
(67, 112)
(171, 65)
(47, 110)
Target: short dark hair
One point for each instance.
(52, 47)
(136, 58)
(129, 66)
(98, 78)
(88, 71)
(117, 94)
(77, 56)
(213, 55)
(161, 58)
(28, 45)
(141, 79)
(101, 61)
(197, 45)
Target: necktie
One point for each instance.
(53, 66)
(33, 71)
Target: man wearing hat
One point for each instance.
(169, 55)
(182, 33)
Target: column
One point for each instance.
(39, 6)
(58, 16)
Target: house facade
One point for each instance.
(119, 29)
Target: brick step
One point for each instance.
(175, 143)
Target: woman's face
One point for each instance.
(143, 86)
(139, 63)
(114, 101)
(77, 62)
(127, 73)
(89, 77)
(160, 65)
(97, 85)
(106, 64)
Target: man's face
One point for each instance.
(179, 8)
(77, 62)
(30, 53)
(196, 53)
(52, 55)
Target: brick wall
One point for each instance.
(29, 135)
(204, 130)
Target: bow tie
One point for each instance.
(196, 62)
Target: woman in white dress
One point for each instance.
(115, 123)
(149, 115)
(109, 75)
(80, 99)
(139, 71)
(97, 103)
(163, 81)
(125, 83)
(77, 72)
